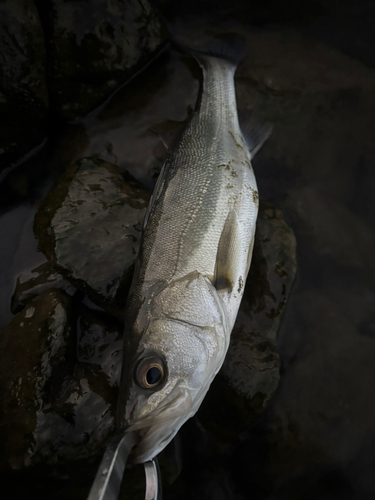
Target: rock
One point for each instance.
(250, 373)
(76, 242)
(43, 277)
(78, 421)
(59, 384)
(351, 244)
(249, 376)
(23, 89)
(89, 226)
(324, 390)
(34, 348)
(77, 424)
(94, 46)
(100, 344)
(158, 99)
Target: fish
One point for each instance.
(195, 254)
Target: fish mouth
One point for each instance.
(155, 431)
(152, 439)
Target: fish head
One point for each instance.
(168, 374)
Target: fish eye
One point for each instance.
(150, 372)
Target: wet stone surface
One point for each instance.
(94, 46)
(34, 346)
(31, 284)
(100, 344)
(59, 383)
(309, 70)
(23, 88)
(82, 225)
(125, 131)
(89, 226)
(250, 373)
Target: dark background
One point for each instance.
(309, 70)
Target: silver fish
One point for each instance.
(190, 274)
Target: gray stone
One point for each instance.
(158, 100)
(89, 226)
(81, 232)
(23, 90)
(351, 244)
(324, 394)
(34, 347)
(250, 373)
(58, 384)
(93, 46)
(100, 344)
(43, 277)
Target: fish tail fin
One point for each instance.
(228, 46)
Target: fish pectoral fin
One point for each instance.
(255, 135)
(228, 253)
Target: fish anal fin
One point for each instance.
(228, 252)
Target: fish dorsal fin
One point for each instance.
(156, 193)
(228, 252)
(255, 135)
(169, 130)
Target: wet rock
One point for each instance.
(31, 284)
(58, 383)
(76, 423)
(89, 226)
(323, 397)
(77, 243)
(125, 131)
(94, 46)
(35, 347)
(250, 373)
(351, 244)
(100, 344)
(23, 90)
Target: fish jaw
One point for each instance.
(153, 441)
(155, 433)
(154, 438)
(159, 427)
